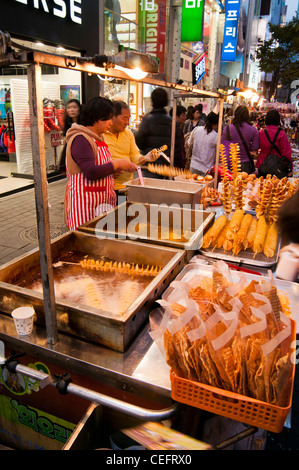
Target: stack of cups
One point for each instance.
(287, 267)
(23, 319)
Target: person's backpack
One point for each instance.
(273, 164)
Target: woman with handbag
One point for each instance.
(276, 153)
(242, 132)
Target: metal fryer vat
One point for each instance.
(89, 323)
(164, 191)
(175, 227)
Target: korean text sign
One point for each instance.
(229, 47)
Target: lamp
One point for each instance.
(127, 61)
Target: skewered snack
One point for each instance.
(92, 296)
(213, 232)
(241, 234)
(234, 150)
(250, 235)
(271, 241)
(166, 170)
(222, 236)
(208, 196)
(121, 267)
(238, 191)
(235, 223)
(259, 239)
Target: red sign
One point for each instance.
(57, 138)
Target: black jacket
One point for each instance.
(155, 131)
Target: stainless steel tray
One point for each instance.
(164, 191)
(114, 330)
(175, 227)
(244, 256)
(291, 289)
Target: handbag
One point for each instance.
(244, 144)
(273, 164)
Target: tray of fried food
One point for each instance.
(210, 197)
(228, 339)
(242, 237)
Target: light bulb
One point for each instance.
(136, 73)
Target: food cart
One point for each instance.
(67, 363)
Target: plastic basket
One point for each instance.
(232, 405)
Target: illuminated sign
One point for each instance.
(61, 8)
(192, 20)
(198, 69)
(152, 29)
(229, 46)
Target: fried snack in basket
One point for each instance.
(218, 243)
(271, 241)
(259, 239)
(239, 363)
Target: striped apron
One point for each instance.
(87, 199)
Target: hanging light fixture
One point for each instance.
(135, 64)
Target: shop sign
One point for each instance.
(57, 138)
(192, 20)
(152, 28)
(59, 8)
(229, 46)
(198, 69)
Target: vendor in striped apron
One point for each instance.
(89, 165)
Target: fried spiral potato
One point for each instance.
(259, 239)
(250, 235)
(214, 231)
(120, 267)
(271, 241)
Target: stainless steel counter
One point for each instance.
(141, 370)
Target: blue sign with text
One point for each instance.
(229, 46)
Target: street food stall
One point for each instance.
(115, 337)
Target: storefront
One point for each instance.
(68, 28)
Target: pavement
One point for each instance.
(18, 235)
(18, 227)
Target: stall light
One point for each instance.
(127, 61)
(136, 74)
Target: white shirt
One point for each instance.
(204, 149)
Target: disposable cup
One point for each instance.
(287, 267)
(23, 319)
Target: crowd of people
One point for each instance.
(101, 153)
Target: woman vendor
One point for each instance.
(89, 165)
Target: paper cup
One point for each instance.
(23, 318)
(287, 267)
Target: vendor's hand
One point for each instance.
(152, 156)
(292, 250)
(123, 165)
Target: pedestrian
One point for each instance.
(241, 132)
(275, 156)
(203, 140)
(89, 165)
(121, 142)
(181, 116)
(155, 130)
(72, 114)
(197, 119)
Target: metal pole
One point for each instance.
(41, 198)
(221, 101)
(173, 129)
(91, 395)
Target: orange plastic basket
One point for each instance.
(232, 405)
